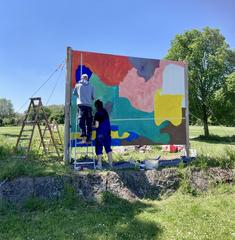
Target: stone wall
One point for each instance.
(131, 185)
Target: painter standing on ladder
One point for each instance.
(85, 97)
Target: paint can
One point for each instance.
(142, 166)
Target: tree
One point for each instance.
(224, 103)
(53, 112)
(6, 111)
(209, 62)
(57, 113)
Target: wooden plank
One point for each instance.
(68, 89)
(187, 144)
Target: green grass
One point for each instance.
(184, 215)
(37, 164)
(180, 216)
(218, 150)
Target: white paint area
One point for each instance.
(173, 81)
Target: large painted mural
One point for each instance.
(145, 98)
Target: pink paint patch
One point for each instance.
(140, 92)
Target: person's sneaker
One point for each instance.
(83, 140)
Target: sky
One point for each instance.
(34, 35)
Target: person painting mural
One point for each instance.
(85, 96)
(103, 133)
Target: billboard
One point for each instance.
(146, 98)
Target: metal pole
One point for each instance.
(68, 89)
(77, 121)
(187, 144)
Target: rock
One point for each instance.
(201, 180)
(130, 185)
(49, 187)
(219, 175)
(116, 185)
(90, 186)
(198, 180)
(148, 184)
(17, 191)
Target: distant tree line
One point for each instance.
(9, 117)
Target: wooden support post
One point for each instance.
(187, 144)
(68, 92)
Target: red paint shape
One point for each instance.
(111, 69)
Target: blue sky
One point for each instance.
(34, 35)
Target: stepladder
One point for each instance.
(51, 146)
(34, 119)
(84, 156)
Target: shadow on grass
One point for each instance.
(111, 218)
(216, 139)
(12, 135)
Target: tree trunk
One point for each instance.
(205, 123)
(206, 129)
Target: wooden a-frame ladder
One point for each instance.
(31, 120)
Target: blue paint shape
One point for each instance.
(82, 69)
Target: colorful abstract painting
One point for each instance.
(145, 98)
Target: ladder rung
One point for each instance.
(35, 98)
(29, 122)
(24, 138)
(80, 163)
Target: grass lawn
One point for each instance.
(217, 151)
(181, 216)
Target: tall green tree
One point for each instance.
(209, 62)
(6, 111)
(56, 113)
(224, 103)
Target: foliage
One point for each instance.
(209, 61)
(226, 160)
(53, 112)
(56, 113)
(224, 103)
(6, 111)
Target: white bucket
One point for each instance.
(151, 164)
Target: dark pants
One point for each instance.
(85, 121)
(102, 141)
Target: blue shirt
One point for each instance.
(104, 127)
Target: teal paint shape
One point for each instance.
(133, 120)
(128, 118)
(73, 112)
